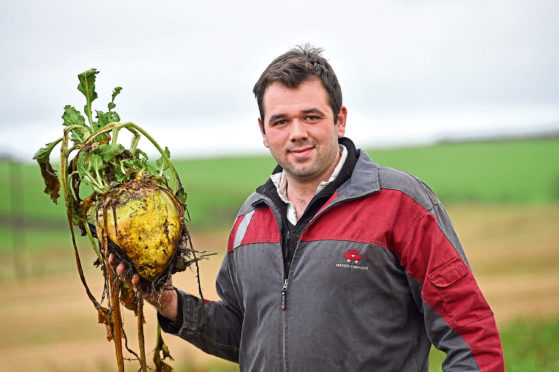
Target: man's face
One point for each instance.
(300, 131)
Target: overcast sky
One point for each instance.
(410, 71)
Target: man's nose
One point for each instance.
(298, 131)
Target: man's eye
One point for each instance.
(311, 117)
(279, 122)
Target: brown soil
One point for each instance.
(48, 324)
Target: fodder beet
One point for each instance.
(135, 210)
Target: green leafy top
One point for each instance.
(101, 162)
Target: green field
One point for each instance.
(527, 346)
(520, 172)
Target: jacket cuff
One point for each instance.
(168, 325)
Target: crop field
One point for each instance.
(517, 172)
(502, 196)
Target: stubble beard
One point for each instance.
(321, 163)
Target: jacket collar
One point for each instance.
(358, 178)
(364, 179)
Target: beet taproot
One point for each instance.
(145, 221)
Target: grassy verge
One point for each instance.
(528, 346)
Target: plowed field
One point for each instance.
(48, 324)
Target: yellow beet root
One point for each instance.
(148, 225)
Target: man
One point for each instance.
(335, 263)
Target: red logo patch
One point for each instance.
(352, 256)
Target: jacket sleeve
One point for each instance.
(457, 317)
(214, 328)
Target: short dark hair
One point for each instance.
(295, 67)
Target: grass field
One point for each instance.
(503, 198)
(519, 172)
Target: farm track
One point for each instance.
(48, 323)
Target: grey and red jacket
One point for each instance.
(376, 275)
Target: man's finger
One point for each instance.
(135, 281)
(120, 269)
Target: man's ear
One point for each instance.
(264, 139)
(342, 118)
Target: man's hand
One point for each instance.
(166, 302)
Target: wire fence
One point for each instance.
(14, 221)
(16, 227)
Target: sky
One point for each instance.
(411, 72)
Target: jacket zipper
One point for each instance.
(284, 305)
(284, 325)
(285, 275)
(283, 314)
(284, 293)
(286, 284)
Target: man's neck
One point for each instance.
(300, 195)
(300, 192)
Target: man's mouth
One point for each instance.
(301, 152)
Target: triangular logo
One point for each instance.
(352, 256)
